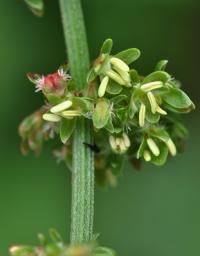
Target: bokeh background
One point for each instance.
(155, 212)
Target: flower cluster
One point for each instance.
(134, 116)
(56, 247)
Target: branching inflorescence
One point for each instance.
(133, 116)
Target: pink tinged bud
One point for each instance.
(52, 83)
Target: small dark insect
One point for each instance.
(93, 147)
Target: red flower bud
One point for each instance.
(53, 83)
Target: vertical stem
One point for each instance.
(83, 159)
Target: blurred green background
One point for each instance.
(155, 212)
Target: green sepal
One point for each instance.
(161, 159)
(101, 113)
(107, 46)
(36, 6)
(142, 148)
(160, 134)
(152, 118)
(81, 103)
(179, 131)
(132, 107)
(67, 127)
(109, 126)
(157, 76)
(53, 99)
(113, 87)
(122, 113)
(91, 76)
(178, 101)
(129, 55)
(55, 236)
(118, 99)
(161, 65)
(104, 66)
(135, 78)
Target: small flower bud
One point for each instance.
(147, 156)
(153, 147)
(119, 64)
(142, 114)
(126, 140)
(153, 102)
(171, 146)
(71, 113)
(103, 85)
(51, 117)
(53, 83)
(152, 86)
(62, 106)
(160, 110)
(114, 76)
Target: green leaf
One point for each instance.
(113, 87)
(101, 113)
(107, 46)
(129, 56)
(161, 65)
(178, 101)
(66, 129)
(36, 6)
(161, 159)
(157, 76)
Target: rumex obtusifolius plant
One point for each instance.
(131, 117)
(134, 117)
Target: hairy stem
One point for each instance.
(82, 211)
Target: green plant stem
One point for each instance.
(82, 211)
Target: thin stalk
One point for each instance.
(82, 212)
